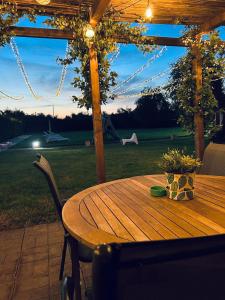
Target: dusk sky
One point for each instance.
(39, 58)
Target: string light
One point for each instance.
(22, 68)
(160, 75)
(10, 97)
(148, 12)
(114, 56)
(153, 92)
(140, 70)
(63, 74)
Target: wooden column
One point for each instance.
(198, 117)
(97, 116)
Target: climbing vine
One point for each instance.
(104, 43)
(9, 16)
(182, 85)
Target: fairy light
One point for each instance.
(142, 83)
(22, 68)
(140, 70)
(63, 74)
(114, 56)
(141, 94)
(4, 95)
(148, 12)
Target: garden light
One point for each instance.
(36, 144)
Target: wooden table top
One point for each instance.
(123, 210)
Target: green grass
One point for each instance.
(24, 196)
(79, 137)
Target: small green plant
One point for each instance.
(175, 161)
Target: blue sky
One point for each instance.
(39, 58)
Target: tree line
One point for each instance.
(151, 111)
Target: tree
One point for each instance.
(104, 43)
(153, 110)
(219, 93)
(181, 88)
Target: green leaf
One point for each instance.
(181, 196)
(182, 181)
(170, 178)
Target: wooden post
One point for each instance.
(97, 116)
(198, 117)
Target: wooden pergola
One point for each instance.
(208, 14)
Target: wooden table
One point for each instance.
(123, 210)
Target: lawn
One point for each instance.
(24, 196)
(79, 137)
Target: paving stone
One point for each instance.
(30, 261)
(5, 290)
(36, 268)
(33, 294)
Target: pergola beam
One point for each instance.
(98, 11)
(213, 23)
(60, 34)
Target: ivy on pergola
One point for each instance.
(216, 16)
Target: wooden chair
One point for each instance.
(192, 268)
(213, 160)
(80, 252)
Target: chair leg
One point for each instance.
(63, 259)
(76, 288)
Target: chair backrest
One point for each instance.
(213, 160)
(184, 269)
(43, 165)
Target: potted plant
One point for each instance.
(180, 173)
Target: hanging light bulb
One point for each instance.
(148, 12)
(89, 32)
(43, 2)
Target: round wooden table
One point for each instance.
(123, 210)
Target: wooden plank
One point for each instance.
(111, 218)
(61, 34)
(173, 222)
(154, 223)
(177, 230)
(165, 12)
(97, 215)
(181, 204)
(98, 11)
(78, 227)
(212, 23)
(41, 33)
(86, 214)
(138, 229)
(130, 225)
(97, 116)
(198, 116)
(126, 206)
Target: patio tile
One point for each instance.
(33, 294)
(30, 262)
(33, 269)
(5, 290)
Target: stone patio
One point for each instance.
(30, 262)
